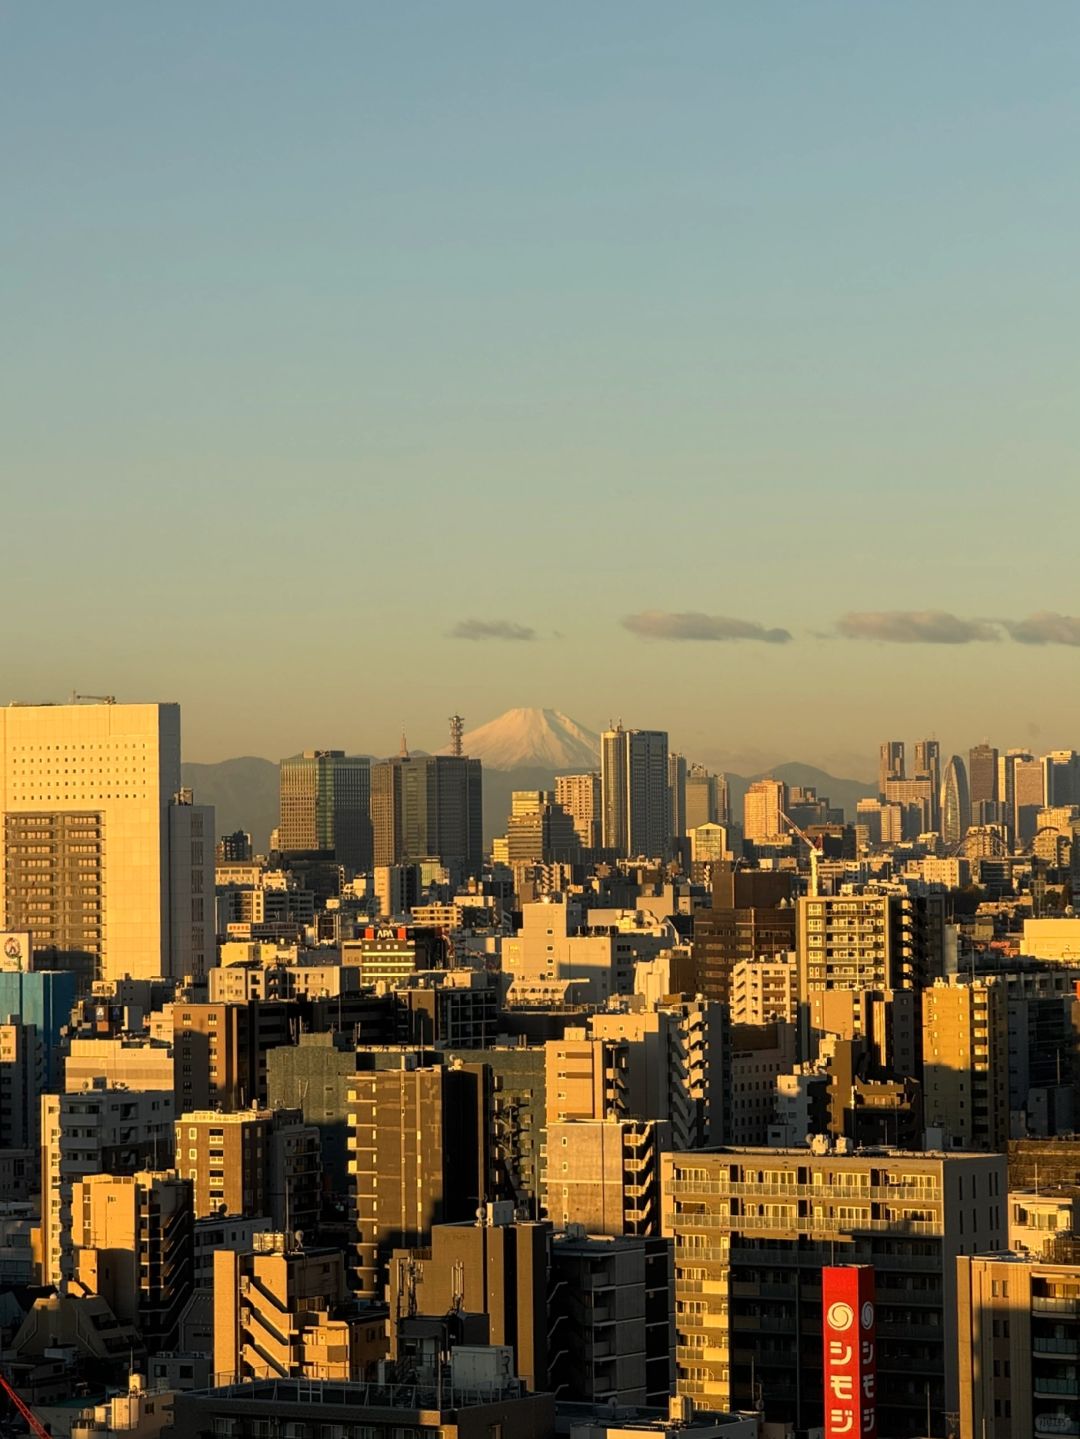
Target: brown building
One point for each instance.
(132, 1242)
(751, 918)
(493, 1267)
(282, 1311)
(419, 1155)
(220, 1049)
(256, 1161)
(604, 1174)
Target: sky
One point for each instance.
(709, 365)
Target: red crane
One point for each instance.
(35, 1426)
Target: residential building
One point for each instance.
(870, 941)
(764, 805)
(255, 1161)
(604, 1174)
(753, 1229)
(763, 990)
(751, 918)
(966, 1063)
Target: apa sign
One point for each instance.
(850, 1343)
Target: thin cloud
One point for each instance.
(915, 627)
(491, 630)
(664, 625)
(1045, 628)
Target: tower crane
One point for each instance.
(25, 1412)
(815, 852)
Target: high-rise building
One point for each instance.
(419, 1154)
(752, 1230)
(928, 768)
(1029, 796)
(702, 798)
(605, 1174)
(752, 917)
(256, 1161)
(325, 807)
(890, 765)
(1062, 777)
(635, 803)
(96, 856)
(764, 804)
(540, 832)
(966, 1063)
(428, 807)
(132, 1241)
(579, 795)
(983, 777)
(1007, 764)
(870, 941)
(1018, 1327)
(955, 803)
(677, 794)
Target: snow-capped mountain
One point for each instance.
(533, 738)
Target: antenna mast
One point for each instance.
(457, 735)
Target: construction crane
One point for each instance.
(96, 699)
(815, 852)
(26, 1414)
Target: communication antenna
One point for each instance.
(457, 735)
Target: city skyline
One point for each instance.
(768, 313)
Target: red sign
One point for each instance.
(847, 1322)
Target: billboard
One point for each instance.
(850, 1351)
(15, 949)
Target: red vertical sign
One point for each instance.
(848, 1328)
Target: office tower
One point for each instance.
(604, 1174)
(677, 794)
(281, 1311)
(928, 767)
(579, 795)
(22, 1083)
(132, 1243)
(428, 807)
(917, 798)
(752, 917)
(1028, 793)
(96, 1131)
(325, 807)
(419, 1154)
(890, 765)
(1061, 769)
(702, 799)
(983, 777)
(870, 941)
(492, 1266)
(1007, 764)
(636, 811)
(764, 805)
(612, 1319)
(44, 999)
(257, 1161)
(397, 888)
(955, 804)
(93, 858)
(966, 1063)
(540, 831)
(753, 1229)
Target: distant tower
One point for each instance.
(457, 735)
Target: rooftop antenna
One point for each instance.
(404, 750)
(457, 735)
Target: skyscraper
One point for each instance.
(325, 802)
(428, 807)
(983, 775)
(764, 804)
(634, 792)
(579, 795)
(928, 768)
(702, 798)
(955, 804)
(890, 764)
(94, 856)
(1061, 770)
(677, 793)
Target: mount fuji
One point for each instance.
(533, 739)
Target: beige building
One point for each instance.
(1019, 1334)
(765, 989)
(763, 804)
(1057, 939)
(280, 1311)
(131, 1239)
(1037, 1221)
(101, 852)
(123, 1063)
(752, 1229)
(966, 1063)
(604, 1174)
(254, 1161)
(579, 795)
(586, 1076)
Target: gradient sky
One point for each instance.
(328, 329)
